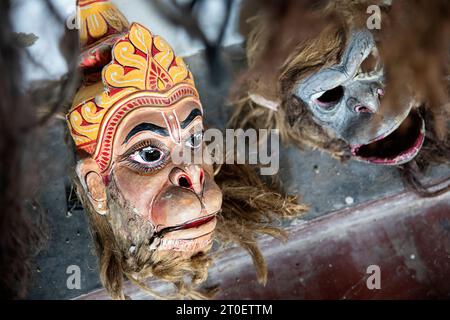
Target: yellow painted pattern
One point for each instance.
(141, 62)
(95, 17)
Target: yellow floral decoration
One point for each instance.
(142, 66)
(98, 18)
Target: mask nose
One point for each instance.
(366, 100)
(191, 177)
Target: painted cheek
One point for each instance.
(138, 190)
(212, 196)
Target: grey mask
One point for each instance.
(345, 100)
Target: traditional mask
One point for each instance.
(329, 91)
(126, 125)
(151, 216)
(130, 123)
(345, 99)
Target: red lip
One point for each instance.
(196, 223)
(398, 147)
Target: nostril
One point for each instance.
(184, 182)
(363, 109)
(380, 92)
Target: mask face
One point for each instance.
(130, 121)
(345, 100)
(176, 202)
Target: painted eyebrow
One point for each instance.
(194, 114)
(160, 130)
(147, 127)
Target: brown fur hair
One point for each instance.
(409, 50)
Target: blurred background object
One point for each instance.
(209, 18)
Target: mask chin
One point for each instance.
(397, 147)
(185, 216)
(192, 236)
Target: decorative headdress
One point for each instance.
(125, 67)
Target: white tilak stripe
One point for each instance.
(178, 126)
(170, 128)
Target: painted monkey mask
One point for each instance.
(128, 125)
(345, 99)
(149, 215)
(328, 88)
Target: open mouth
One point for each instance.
(398, 147)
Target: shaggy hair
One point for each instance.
(22, 224)
(414, 43)
(250, 208)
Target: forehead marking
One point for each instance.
(173, 125)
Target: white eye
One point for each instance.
(317, 95)
(147, 156)
(195, 141)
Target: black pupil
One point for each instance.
(195, 140)
(150, 155)
(332, 96)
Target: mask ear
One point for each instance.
(89, 174)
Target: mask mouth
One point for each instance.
(398, 147)
(191, 224)
(195, 223)
(190, 236)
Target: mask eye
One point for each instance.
(195, 140)
(148, 156)
(330, 98)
